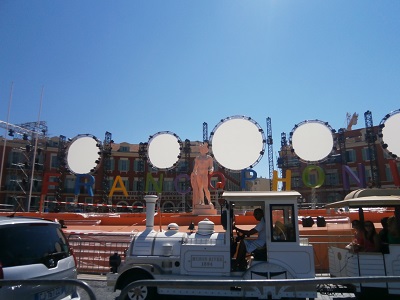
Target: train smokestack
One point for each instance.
(150, 208)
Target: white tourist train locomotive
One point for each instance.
(206, 254)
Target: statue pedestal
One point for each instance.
(206, 209)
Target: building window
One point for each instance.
(332, 178)
(137, 185)
(126, 182)
(54, 161)
(296, 181)
(183, 185)
(312, 179)
(293, 162)
(365, 154)
(15, 157)
(368, 173)
(69, 185)
(351, 155)
(168, 186)
(10, 181)
(53, 179)
(183, 167)
(110, 164)
(123, 165)
(150, 186)
(138, 165)
(124, 149)
(388, 172)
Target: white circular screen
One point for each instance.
(164, 150)
(312, 141)
(390, 134)
(83, 154)
(237, 143)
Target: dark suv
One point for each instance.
(33, 248)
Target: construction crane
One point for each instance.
(270, 152)
(351, 120)
(370, 138)
(205, 132)
(107, 147)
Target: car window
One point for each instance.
(24, 244)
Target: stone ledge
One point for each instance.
(205, 209)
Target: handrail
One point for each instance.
(181, 283)
(52, 282)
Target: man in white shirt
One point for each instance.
(248, 246)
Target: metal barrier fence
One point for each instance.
(93, 250)
(52, 282)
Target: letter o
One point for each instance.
(176, 185)
(321, 176)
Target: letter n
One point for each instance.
(360, 179)
(157, 187)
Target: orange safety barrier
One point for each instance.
(93, 250)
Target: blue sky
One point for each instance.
(135, 68)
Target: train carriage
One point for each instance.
(344, 262)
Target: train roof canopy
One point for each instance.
(369, 198)
(372, 192)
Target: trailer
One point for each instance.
(344, 262)
(175, 254)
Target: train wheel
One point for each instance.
(140, 292)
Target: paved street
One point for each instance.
(98, 284)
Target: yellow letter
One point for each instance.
(121, 188)
(287, 180)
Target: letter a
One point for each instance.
(121, 187)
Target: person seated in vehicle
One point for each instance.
(358, 241)
(393, 231)
(248, 246)
(372, 242)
